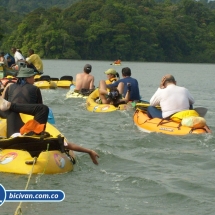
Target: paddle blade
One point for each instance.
(201, 111)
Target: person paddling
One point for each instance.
(38, 124)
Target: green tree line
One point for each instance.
(132, 30)
(26, 6)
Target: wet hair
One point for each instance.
(126, 71)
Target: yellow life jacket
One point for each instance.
(111, 81)
(177, 117)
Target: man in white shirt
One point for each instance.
(17, 55)
(170, 97)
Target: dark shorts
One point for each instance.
(86, 92)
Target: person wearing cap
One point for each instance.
(170, 97)
(23, 91)
(126, 78)
(112, 76)
(84, 81)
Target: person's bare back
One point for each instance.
(84, 80)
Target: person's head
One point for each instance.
(115, 95)
(126, 71)
(30, 52)
(13, 50)
(169, 79)
(1, 54)
(19, 51)
(26, 74)
(9, 59)
(87, 68)
(111, 73)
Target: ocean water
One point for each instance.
(138, 173)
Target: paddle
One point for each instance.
(201, 111)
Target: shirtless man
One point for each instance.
(84, 81)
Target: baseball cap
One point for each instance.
(87, 67)
(110, 71)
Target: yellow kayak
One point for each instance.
(46, 82)
(144, 123)
(72, 94)
(65, 82)
(23, 154)
(102, 108)
(166, 126)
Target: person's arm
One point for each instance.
(127, 96)
(77, 82)
(162, 83)
(138, 89)
(28, 60)
(5, 91)
(115, 84)
(18, 57)
(39, 96)
(93, 155)
(92, 83)
(23, 60)
(155, 99)
(190, 97)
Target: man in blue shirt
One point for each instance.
(126, 74)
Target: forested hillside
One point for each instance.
(133, 30)
(26, 6)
